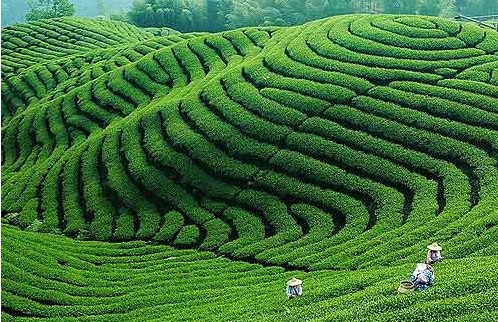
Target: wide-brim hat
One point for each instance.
(294, 282)
(435, 247)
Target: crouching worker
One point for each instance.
(294, 288)
(433, 254)
(422, 277)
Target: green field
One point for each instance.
(193, 174)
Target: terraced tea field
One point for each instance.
(193, 174)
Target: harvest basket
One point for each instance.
(406, 287)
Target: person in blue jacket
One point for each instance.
(422, 277)
(294, 288)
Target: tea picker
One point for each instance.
(420, 280)
(433, 254)
(294, 288)
(423, 276)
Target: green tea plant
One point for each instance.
(191, 174)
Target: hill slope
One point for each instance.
(346, 143)
(60, 279)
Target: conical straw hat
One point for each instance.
(434, 247)
(294, 282)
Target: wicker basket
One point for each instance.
(406, 287)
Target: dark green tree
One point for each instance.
(316, 9)
(213, 7)
(182, 15)
(429, 7)
(341, 7)
(44, 9)
(449, 8)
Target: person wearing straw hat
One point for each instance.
(433, 254)
(294, 288)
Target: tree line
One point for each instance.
(216, 15)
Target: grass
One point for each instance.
(195, 173)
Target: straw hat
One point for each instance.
(434, 246)
(294, 282)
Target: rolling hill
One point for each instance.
(192, 174)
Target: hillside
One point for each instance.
(200, 171)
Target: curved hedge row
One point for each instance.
(27, 44)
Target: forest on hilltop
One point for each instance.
(217, 15)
